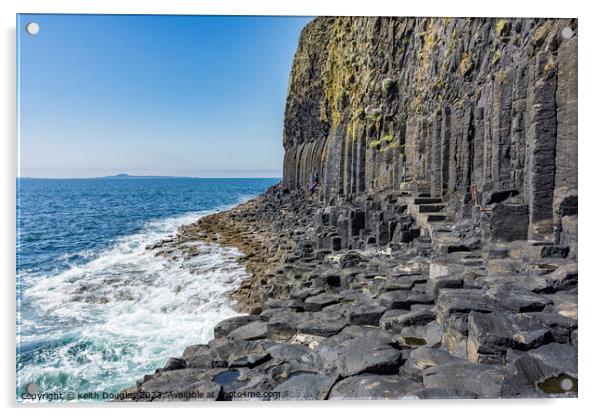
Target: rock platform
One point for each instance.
(344, 304)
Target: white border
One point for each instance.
(590, 153)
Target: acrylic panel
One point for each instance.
(295, 208)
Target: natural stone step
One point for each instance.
(430, 208)
(422, 201)
(436, 218)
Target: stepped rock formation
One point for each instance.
(458, 108)
(438, 256)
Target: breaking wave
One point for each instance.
(100, 325)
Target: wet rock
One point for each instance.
(228, 325)
(183, 384)
(173, 363)
(252, 331)
(235, 354)
(241, 384)
(429, 334)
(193, 350)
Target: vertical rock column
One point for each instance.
(541, 141)
(565, 194)
(435, 170)
(566, 99)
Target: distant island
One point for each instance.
(218, 175)
(126, 176)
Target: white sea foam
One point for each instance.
(125, 312)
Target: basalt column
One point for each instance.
(472, 110)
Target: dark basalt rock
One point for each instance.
(404, 299)
(174, 363)
(429, 334)
(402, 318)
(233, 354)
(373, 387)
(183, 384)
(359, 331)
(296, 353)
(228, 325)
(241, 384)
(436, 283)
(453, 301)
(193, 350)
(367, 355)
(486, 381)
(518, 299)
(562, 357)
(444, 393)
(305, 386)
(251, 331)
(322, 325)
(284, 325)
(366, 313)
(318, 302)
(562, 278)
(425, 357)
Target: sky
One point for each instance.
(153, 95)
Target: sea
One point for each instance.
(95, 309)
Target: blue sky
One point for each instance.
(154, 95)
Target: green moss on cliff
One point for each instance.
(340, 78)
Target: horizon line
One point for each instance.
(127, 176)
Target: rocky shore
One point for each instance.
(437, 257)
(461, 319)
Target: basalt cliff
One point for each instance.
(423, 241)
(473, 111)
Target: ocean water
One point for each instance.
(95, 310)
